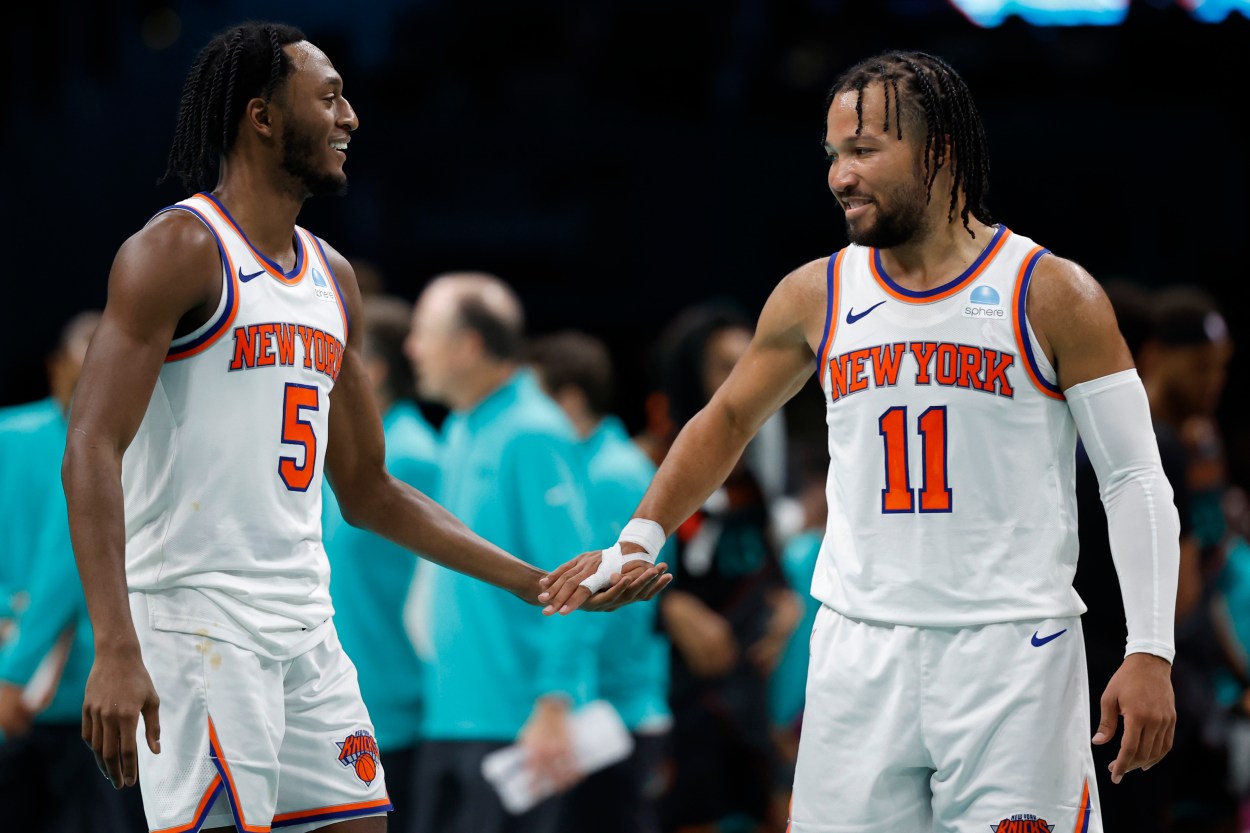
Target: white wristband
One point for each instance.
(647, 534)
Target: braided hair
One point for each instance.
(237, 65)
(925, 86)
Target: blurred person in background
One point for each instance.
(575, 369)
(788, 684)
(1143, 803)
(48, 779)
(1232, 624)
(512, 472)
(675, 388)
(371, 578)
(1184, 367)
(729, 613)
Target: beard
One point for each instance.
(899, 221)
(300, 151)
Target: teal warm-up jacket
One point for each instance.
(39, 585)
(634, 660)
(512, 472)
(370, 581)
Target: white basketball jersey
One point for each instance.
(951, 484)
(223, 480)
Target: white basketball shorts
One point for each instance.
(254, 743)
(950, 730)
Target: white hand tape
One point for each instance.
(610, 562)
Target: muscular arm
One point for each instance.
(370, 497)
(775, 366)
(166, 274)
(167, 271)
(1075, 323)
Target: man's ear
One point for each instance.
(258, 115)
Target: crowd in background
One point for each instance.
(519, 437)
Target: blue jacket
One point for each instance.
(370, 579)
(511, 471)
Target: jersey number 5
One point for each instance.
(298, 431)
(898, 496)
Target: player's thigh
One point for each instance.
(1007, 718)
(331, 768)
(861, 765)
(221, 723)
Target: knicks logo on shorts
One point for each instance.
(360, 750)
(1023, 823)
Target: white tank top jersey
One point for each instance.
(222, 482)
(951, 485)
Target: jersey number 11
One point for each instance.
(898, 496)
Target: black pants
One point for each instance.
(49, 783)
(454, 797)
(622, 798)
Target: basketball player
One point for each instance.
(227, 341)
(958, 361)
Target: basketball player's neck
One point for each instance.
(265, 205)
(937, 255)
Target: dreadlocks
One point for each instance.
(237, 65)
(925, 86)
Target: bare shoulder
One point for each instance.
(807, 283)
(796, 309)
(1063, 287)
(342, 266)
(176, 237)
(1075, 322)
(170, 266)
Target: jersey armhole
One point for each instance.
(338, 290)
(833, 276)
(1036, 365)
(203, 336)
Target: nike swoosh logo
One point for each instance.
(851, 317)
(245, 278)
(1037, 643)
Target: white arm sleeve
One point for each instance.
(1112, 415)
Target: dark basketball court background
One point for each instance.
(615, 161)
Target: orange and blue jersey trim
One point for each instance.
(301, 256)
(1083, 811)
(215, 330)
(232, 793)
(201, 810)
(946, 290)
(334, 813)
(1020, 324)
(833, 279)
(338, 290)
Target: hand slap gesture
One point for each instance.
(563, 591)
